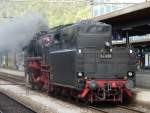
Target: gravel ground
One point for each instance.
(39, 102)
(7, 105)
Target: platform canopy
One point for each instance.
(133, 20)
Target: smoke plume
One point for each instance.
(18, 31)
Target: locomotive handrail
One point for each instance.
(34, 58)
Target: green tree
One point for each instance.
(56, 13)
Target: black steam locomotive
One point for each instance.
(78, 60)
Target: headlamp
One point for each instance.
(80, 51)
(80, 74)
(131, 51)
(107, 44)
(110, 50)
(130, 74)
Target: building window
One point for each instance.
(95, 12)
(102, 10)
(108, 9)
(107, 0)
(101, 1)
(97, 1)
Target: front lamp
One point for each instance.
(79, 51)
(107, 44)
(130, 74)
(131, 51)
(80, 74)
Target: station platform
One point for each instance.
(11, 72)
(19, 75)
(143, 79)
(142, 94)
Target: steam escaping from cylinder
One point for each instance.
(17, 32)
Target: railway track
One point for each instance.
(131, 109)
(116, 109)
(13, 79)
(9, 105)
(97, 109)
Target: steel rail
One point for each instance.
(129, 108)
(97, 109)
(13, 80)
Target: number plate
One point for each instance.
(105, 55)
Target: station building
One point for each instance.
(130, 24)
(101, 7)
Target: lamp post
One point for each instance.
(127, 39)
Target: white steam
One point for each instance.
(17, 32)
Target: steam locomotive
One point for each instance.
(78, 61)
